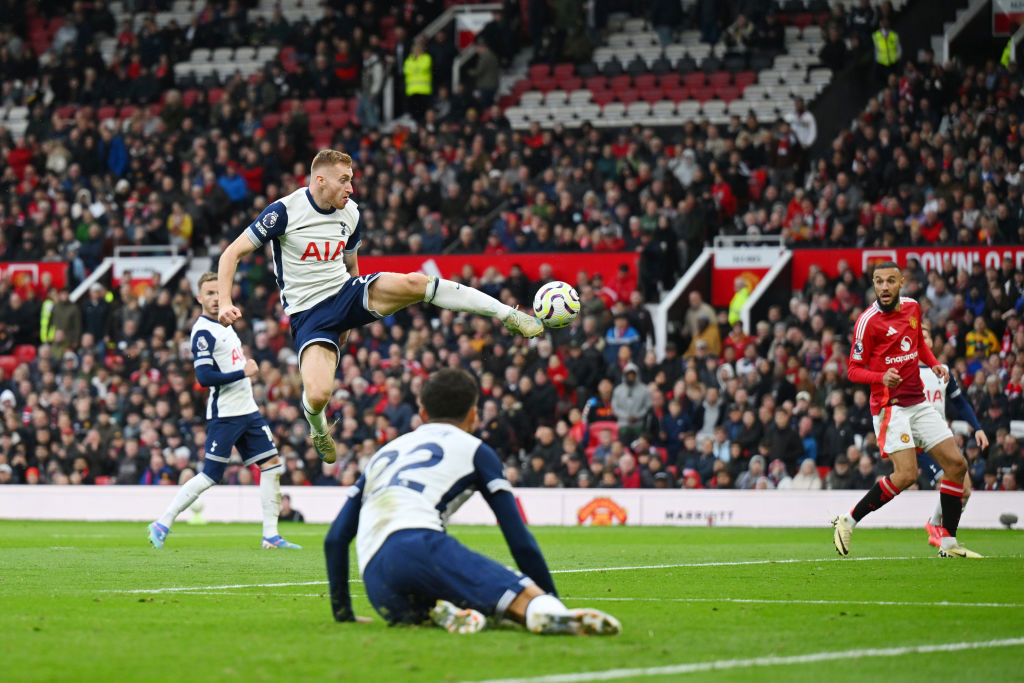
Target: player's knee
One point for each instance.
(956, 469)
(415, 285)
(901, 479)
(317, 395)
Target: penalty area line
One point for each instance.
(725, 664)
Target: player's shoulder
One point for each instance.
(204, 324)
(864, 318)
(909, 301)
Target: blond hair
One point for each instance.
(206, 277)
(329, 157)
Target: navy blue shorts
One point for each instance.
(249, 433)
(416, 567)
(346, 310)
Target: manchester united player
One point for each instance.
(887, 342)
(937, 392)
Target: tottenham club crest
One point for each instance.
(270, 220)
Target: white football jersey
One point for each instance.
(308, 244)
(934, 389)
(219, 346)
(418, 480)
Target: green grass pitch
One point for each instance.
(94, 602)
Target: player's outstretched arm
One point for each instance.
(520, 541)
(226, 267)
(336, 544)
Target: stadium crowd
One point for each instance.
(108, 394)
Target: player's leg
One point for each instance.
(951, 495)
(544, 614)
(220, 438)
(892, 428)
(256, 445)
(317, 364)
(933, 472)
(394, 291)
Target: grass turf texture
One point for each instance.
(66, 612)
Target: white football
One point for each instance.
(557, 304)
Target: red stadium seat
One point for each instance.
(312, 106)
(334, 104)
(603, 97)
(702, 94)
(719, 78)
(563, 70)
(106, 113)
(596, 83)
(66, 112)
(189, 97)
(694, 79)
(104, 481)
(545, 85)
(621, 82)
(597, 427)
(318, 123)
(669, 80)
(8, 364)
(539, 71)
(803, 20)
(25, 353)
(127, 111)
(727, 93)
(215, 95)
(744, 78)
(652, 94)
(642, 81)
(271, 121)
(678, 94)
(823, 471)
(569, 83)
(627, 96)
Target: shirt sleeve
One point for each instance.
(862, 345)
(352, 246)
(336, 544)
(959, 404)
(498, 493)
(202, 348)
(268, 225)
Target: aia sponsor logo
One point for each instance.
(323, 251)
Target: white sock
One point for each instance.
(317, 421)
(948, 542)
(937, 514)
(186, 495)
(848, 518)
(456, 297)
(270, 498)
(540, 606)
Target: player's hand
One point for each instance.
(229, 314)
(981, 438)
(941, 372)
(251, 368)
(891, 378)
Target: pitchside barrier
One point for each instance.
(543, 507)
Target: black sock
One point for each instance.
(881, 493)
(951, 497)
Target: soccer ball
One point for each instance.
(557, 304)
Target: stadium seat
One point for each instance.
(644, 81)
(620, 82)
(555, 98)
(823, 471)
(563, 70)
(25, 353)
(271, 121)
(603, 97)
(719, 79)
(596, 83)
(702, 94)
(106, 113)
(127, 111)
(653, 94)
(8, 364)
(744, 78)
(215, 95)
(545, 84)
(627, 95)
(334, 104)
(597, 427)
(669, 80)
(539, 71)
(312, 105)
(577, 97)
(694, 80)
(570, 83)
(727, 93)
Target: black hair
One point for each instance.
(449, 394)
(883, 265)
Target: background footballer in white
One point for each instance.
(557, 304)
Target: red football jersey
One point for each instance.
(884, 340)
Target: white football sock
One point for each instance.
(456, 297)
(270, 498)
(540, 606)
(186, 495)
(317, 421)
(948, 542)
(937, 514)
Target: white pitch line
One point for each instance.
(737, 563)
(807, 602)
(179, 589)
(724, 664)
